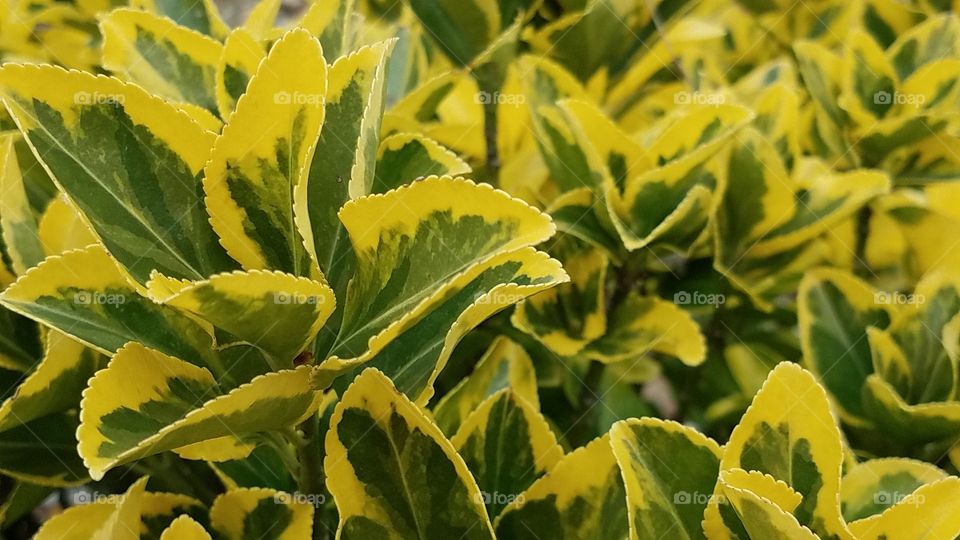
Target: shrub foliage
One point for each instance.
(482, 268)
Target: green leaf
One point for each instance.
(43, 451)
(581, 497)
(254, 513)
(461, 29)
(262, 468)
(146, 402)
(507, 445)
(130, 163)
(392, 472)
(167, 59)
(258, 159)
(669, 470)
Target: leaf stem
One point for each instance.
(311, 478)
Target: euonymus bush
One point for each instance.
(481, 268)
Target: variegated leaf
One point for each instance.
(241, 56)
(76, 523)
(790, 434)
(130, 163)
(258, 160)
(641, 325)
(668, 470)
(927, 334)
(835, 309)
(20, 342)
(118, 519)
(913, 423)
(253, 513)
(567, 318)
(822, 202)
(575, 214)
(146, 402)
(276, 312)
(759, 516)
(20, 232)
(438, 323)
(261, 20)
(331, 23)
(581, 497)
(54, 385)
(756, 197)
(406, 157)
(61, 228)
(869, 488)
(344, 160)
(932, 511)
(504, 365)
(929, 41)
(399, 303)
(507, 445)
(185, 528)
(202, 16)
(83, 294)
(167, 59)
(546, 83)
(393, 473)
(159, 510)
(669, 203)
